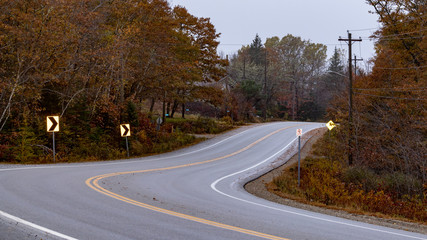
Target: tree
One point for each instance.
(301, 63)
(197, 52)
(333, 83)
(257, 51)
(287, 74)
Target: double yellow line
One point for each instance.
(93, 183)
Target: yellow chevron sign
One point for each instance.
(52, 123)
(330, 125)
(125, 130)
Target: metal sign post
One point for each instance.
(127, 146)
(159, 122)
(52, 124)
(53, 144)
(299, 133)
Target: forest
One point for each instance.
(97, 64)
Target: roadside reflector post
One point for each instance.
(52, 124)
(299, 133)
(125, 132)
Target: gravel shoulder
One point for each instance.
(258, 188)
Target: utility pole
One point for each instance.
(355, 64)
(350, 41)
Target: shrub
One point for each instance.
(361, 176)
(359, 188)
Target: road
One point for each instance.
(193, 193)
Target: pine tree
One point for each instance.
(336, 64)
(256, 51)
(335, 80)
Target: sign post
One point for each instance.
(159, 122)
(299, 133)
(52, 124)
(125, 132)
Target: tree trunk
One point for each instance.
(168, 107)
(293, 101)
(183, 110)
(152, 104)
(174, 107)
(296, 100)
(164, 109)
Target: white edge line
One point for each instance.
(213, 186)
(35, 226)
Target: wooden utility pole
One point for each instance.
(355, 64)
(350, 41)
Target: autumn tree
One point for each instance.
(199, 61)
(33, 52)
(390, 103)
(301, 63)
(285, 77)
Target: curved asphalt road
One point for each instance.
(194, 193)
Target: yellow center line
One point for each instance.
(93, 183)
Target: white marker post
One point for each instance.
(52, 123)
(299, 133)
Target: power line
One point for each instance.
(361, 30)
(401, 68)
(400, 34)
(233, 44)
(390, 38)
(391, 89)
(407, 20)
(389, 97)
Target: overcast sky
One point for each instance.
(320, 21)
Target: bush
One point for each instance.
(356, 188)
(361, 176)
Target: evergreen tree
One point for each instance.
(257, 51)
(335, 64)
(335, 80)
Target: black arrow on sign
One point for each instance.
(54, 124)
(126, 130)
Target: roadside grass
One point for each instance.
(328, 182)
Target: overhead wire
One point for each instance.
(389, 38)
(361, 30)
(400, 68)
(389, 97)
(391, 89)
(406, 33)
